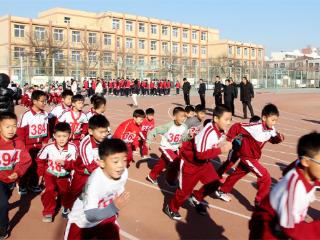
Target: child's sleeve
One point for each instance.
(42, 161)
(24, 162)
(70, 161)
(206, 147)
(22, 129)
(186, 136)
(234, 131)
(89, 163)
(158, 130)
(277, 139)
(62, 118)
(85, 125)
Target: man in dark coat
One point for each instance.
(186, 91)
(217, 93)
(7, 95)
(228, 94)
(235, 94)
(246, 94)
(202, 93)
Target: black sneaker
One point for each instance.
(22, 191)
(172, 185)
(65, 212)
(2, 237)
(201, 209)
(171, 214)
(36, 189)
(154, 182)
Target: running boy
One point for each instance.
(15, 161)
(190, 111)
(146, 126)
(194, 123)
(254, 137)
(55, 161)
(282, 213)
(98, 106)
(128, 131)
(94, 214)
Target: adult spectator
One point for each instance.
(235, 94)
(228, 94)
(186, 91)
(217, 92)
(246, 94)
(7, 95)
(202, 93)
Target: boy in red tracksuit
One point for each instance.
(110, 85)
(55, 161)
(15, 160)
(195, 163)
(178, 86)
(88, 160)
(128, 131)
(34, 131)
(282, 213)
(254, 137)
(152, 92)
(76, 118)
(98, 106)
(146, 126)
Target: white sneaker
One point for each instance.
(154, 182)
(223, 196)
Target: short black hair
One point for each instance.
(98, 101)
(309, 145)
(111, 146)
(189, 108)
(199, 108)
(206, 122)
(255, 118)
(36, 94)
(139, 113)
(7, 115)
(77, 97)
(62, 127)
(149, 111)
(98, 121)
(220, 110)
(227, 80)
(66, 93)
(176, 110)
(270, 110)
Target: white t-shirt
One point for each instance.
(98, 193)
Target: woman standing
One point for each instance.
(74, 87)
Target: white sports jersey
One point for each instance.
(51, 153)
(291, 197)
(98, 193)
(89, 114)
(74, 119)
(58, 110)
(37, 123)
(89, 150)
(258, 132)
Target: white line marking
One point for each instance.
(128, 235)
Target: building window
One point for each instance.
(253, 52)
(58, 34)
(92, 74)
(58, 55)
(92, 57)
(260, 53)
(175, 32)
(129, 60)
(92, 38)
(203, 50)
(282, 65)
(194, 62)
(115, 23)
(185, 48)
(107, 75)
(67, 20)
(141, 44)
(230, 51)
(175, 48)
(107, 39)
(40, 54)
(75, 36)
(39, 71)
(118, 42)
(194, 49)
(107, 57)
(203, 36)
(75, 56)
(153, 61)
(141, 60)
(75, 74)
(153, 45)
(203, 63)
(141, 27)
(185, 33)
(129, 43)
(153, 29)
(18, 52)
(238, 50)
(194, 35)
(129, 26)
(19, 30)
(245, 51)
(165, 30)
(39, 33)
(185, 61)
(165, 47)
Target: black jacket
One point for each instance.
(228, 93)
(202, 88)
(7, 95)
(235, 88)
(186, 87)
(246, 92)
(135, 89)
(217, 88)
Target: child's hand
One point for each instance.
(281, 136)
(60, 162)
(226, 147)
(14, 176)
(121, 200)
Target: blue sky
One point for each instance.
(277, 24)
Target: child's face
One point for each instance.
(190, 114)
(138, 120)
(114, 165)
(8, 128)
(61, 138)
(78, 105)
(67, 101)
(201, 116)
(180, 117)
(270, 121)
(150, 117)
(40, 103)
(99, 133)
(312, 167)
(101, 109)
(224, 121)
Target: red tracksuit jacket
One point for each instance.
(128, 131)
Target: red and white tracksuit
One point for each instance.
(145, 127)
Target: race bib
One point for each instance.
(38, 130)
(129, 137)
(8, 159)
(174, 138)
